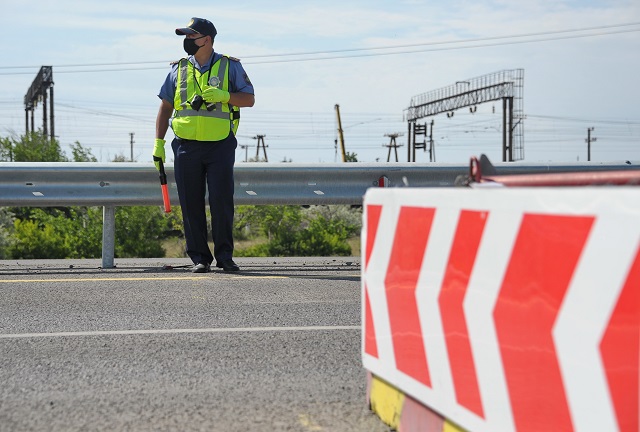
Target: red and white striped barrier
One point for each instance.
(506, 309)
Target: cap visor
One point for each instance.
(185, 31)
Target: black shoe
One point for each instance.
(201, 268)
(228, 265)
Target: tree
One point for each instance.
(350, 157)
(38, 147)
(6, 149)
(32, 147)
(81, 154)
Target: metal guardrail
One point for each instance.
(46, 184)
(109, 185)
(127, 184)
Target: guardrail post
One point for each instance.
(108, 236)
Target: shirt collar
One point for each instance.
(204, 68)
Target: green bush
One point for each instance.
(76, 232)
(6, 229)
(73, 233)
(292, 231)
(139, 232)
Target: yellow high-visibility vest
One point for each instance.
(202, 125)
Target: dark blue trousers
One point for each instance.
(198, 166)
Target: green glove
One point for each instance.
(214, 94)
(158, 152)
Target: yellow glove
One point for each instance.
(158, 152)
(214, 94)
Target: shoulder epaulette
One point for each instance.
(234, 58)
(176, 62)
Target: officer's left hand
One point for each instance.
(214, 94)
(158, 152)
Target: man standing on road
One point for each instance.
(201, 100)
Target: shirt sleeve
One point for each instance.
(168, 89)
(239, 81)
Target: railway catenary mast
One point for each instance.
(36, 93)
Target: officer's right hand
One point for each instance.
(158, 152)
(214, 94)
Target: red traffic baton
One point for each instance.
(163, 185)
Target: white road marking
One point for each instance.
(177, 331)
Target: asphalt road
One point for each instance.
(137, 348)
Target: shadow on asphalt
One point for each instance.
(336, 271)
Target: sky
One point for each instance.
(580, 59)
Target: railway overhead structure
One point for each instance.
(38, 93)
(506, 85)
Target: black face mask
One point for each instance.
(190, 46)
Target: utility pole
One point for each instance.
(392, 144)
(432, 147)
(340, 134)
(589, 140)
(131, 134)
(260, 139)
(246, 151)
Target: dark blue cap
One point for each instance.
(200, 26)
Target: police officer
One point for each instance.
(200, 100)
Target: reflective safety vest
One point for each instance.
(202, 125)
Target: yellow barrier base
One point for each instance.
(401, 412)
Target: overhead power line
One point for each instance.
(422, 44)
(613, 122)
(413, 51)
(369, 52)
